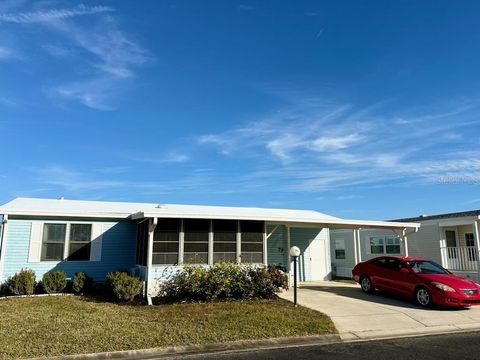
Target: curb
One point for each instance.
(243, 345)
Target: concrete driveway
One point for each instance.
(364, 316)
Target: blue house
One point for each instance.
(154, 240)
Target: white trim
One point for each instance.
(239, 242)
(265, 243)
(181, 243)
(35, 242)
(210, 244)
(152, 224)
(3, 241)
(96, 242)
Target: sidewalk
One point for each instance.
(364, 316)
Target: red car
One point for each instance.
(417, 278)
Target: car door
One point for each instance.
(398, 276)
(377, 272)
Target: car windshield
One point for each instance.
(426, 267)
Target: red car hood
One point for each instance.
(454, 281)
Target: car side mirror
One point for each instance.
(405, 270)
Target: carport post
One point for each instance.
(405, 241)
(355, 246)
(476, 234)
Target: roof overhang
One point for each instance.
(83, 214)
(320, 223)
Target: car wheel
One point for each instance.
(366, 284)
(423, 297)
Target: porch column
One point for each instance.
(152, 224)
(239, 243)
(405, 241)
(210, 243)
(476, 235)
(265, 244)
(181, 242)
(355, 251)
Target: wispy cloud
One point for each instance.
(6, 53)
(101, 56)
(48, 16)
(321, 145)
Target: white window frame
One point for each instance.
(384, 245)
(66, 247)
(343, 247)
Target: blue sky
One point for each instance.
(360, 109)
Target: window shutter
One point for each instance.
(96, 244)
(35, 248)
(369, 251)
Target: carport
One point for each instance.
(313, 239)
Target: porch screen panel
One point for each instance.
(252, 241)
(224, 241)
(166, 242)
(196, 241)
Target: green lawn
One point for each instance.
(49, 326)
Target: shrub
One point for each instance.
(54, 282)
(123, 286)
(81, 282)
(22, 283)
(224, 281)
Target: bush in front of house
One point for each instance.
(22, 283)
(81, 282)
(124, 286)
(223, 281)
(54, 282)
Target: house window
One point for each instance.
(224, 241)
(384, 245)
(392, 245)
(196, 241)
(56, 237)
(339, 249)
(252, 241)
(376, 245)
(166, 242)
(470, 243)
(53, 244)
(79, 245)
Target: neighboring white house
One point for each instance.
(449, 239)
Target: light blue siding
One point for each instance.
(302, 237)
(118, 251)
(277, 245)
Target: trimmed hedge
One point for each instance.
(81, 282)
(224, 281)
(54, 282)
(22, 283)
(123, 286)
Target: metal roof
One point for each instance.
(131, 210)
(442, 216)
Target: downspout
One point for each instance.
(151, 228)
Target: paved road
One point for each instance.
(454, 346)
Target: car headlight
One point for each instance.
(443, 287)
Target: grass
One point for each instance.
(50, 326)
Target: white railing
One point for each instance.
(460, 258)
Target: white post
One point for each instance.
(210, 243)
(181, 242)
(405, 240)
(355, 246)
(359, 242)
(289, 267)
(265, 244)
(239, 243)
(476, 234)
(152, 223)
